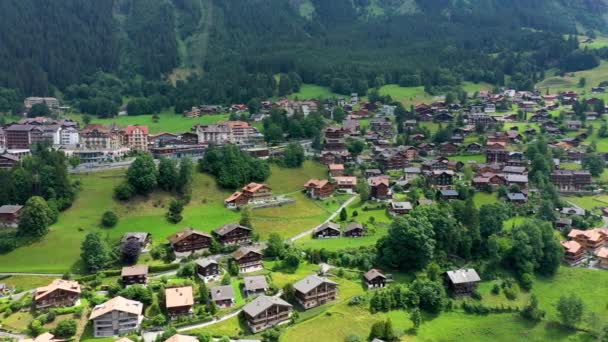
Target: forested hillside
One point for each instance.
(236, 46)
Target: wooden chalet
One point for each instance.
(233, 234)
(574, 252)
(9, 215)
(602, 257)
(346, 184)
(265, 312)
(222, 296)
(208, 269)
(190, 240)
(137, 274)
(327, 230)
(400, 208)
(255, 285)
(354, 229)
(248, 259)
(250, 193)
(314, 290)
(462, 282)
(592, 239)
(336, 170)
(319, 188)
(380, 187)
(374, 278)
(571, 180)
(179, 301)
(59, 293)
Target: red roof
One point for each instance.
(233, 197)
(131, 128)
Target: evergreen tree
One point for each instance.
(95, 253)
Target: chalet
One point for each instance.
(319, 188)
(572, 211)
(410, 173)
(481, 183)
(9, 215)
(520, 180)
(118, 316)
(400, 208)
(266, 312)
(346, 184)
(383, 126)
(571, 180)
(573, 125)
(336, 170)
(391, 160)
(515, 170)
(380, 187)
(57, 294)
(473, 148)
(449, 148)
(248, 259)
(314, 291)
(354, 229)
(591, 240)
(144, 239)
(334, 157)
(496, 155)
(351, 127)
(334, 144)
(409, 152)
(574, 253)
(334, 133)
(563, 223)
(44, 337)
(233, 234)
(7, 161)
(462, 282)
(208, 269)
(372, 173)
(327, 230)
(179, 301)
(374, 278)
(137, 274)
(255, 285)
(602, 257)
(251, 193)
(517, 197)
(223, 296)
(448, 194)
(440, 178)
(443, 116)
(190, 241)
(481, 119)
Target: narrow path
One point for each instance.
(331, 217)
(214, 321)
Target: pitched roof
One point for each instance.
(255, 283)
(401, 205)
(117, 304)
(353, 226)
(346, 180)
(223, 292)
(233, 197)
(135, 270)
(262, 303)
(309, 283)
(205, 262)
(373, 274)
(181, 338)
(602, 253)
(58, 284)
(45, 337)
(327, 225)
(10, 209)
(463, 276)
(243, 251)
(140, 236)
(336, 167)
(316, 183)
(179, 236)
(131, 128)
(571, 246)
(179, 296)
(253, 187)
(227, 228)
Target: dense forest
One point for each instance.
(219, 51)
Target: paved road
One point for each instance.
(336, 213)
(18, 337)
(214, 321)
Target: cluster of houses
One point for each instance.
(587, 245)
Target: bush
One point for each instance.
(510, 293)
(124, 192)
(109, 219)
(496, 289)
(526, 281)
(66, 328)
(476, 295)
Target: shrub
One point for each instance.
(510, 293)
(526, 281)
(124, 192)
(109, 219)
(496, 289)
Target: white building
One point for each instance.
(69, 136)
(118, 316)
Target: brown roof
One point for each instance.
(373, 274)
(181, 338)
(135, 270)
(46, 337)
(335, 167)
(241, 252)
(58, 284)
(316, 183)
(253, 187)
(177, 237)
(571, 246)
(233, 197)
(602, 253)
(117, 304)
(179, 296)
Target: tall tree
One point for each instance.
(167, 174)
(35, 218)
(142, 174)
(94, 252)
(409, 244)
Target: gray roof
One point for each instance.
(353, 225)
(516, 196)
(312, 281)
(140, 236)
(255, 283)
(449, 193)
(373, 274)
(412, 170)
(227, 228)
(573, 211)
(205, 262)
(516, 178)
(10, 209)
(327, 225)
(10, 157)
(463, 276)
(262, 303)
(401, 205)
(224, 292)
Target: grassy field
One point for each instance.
(59, 251)
(479, 158)
(593, 76)
(482, 198)
(472, 88)
(589, 202)
(406, 95)
(313, 91)
(26, 282)
(168, 122)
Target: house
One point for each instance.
(233, 234)
(248, 259)
(137, 274)
(346, 184)
(144, 239)
(179, 338)
(334, 157)
(135, 137)
(400, 208)
(223, 296)
(573, 211)
(118, 316)
(520, 180)
(315, 290)
(208, 269)
(449, 148)
(494, 156)
(473, 148)
(440, 178)
(255, 285)
(58, 293)
(410, 173)
(517, 197)
(463, 281)
(374, 278)
(229, 132)
(336, 170)
(251, 193)
(448, 194)
(380, 187)
(319, 188)
(574, 252)
(391, 159)
(327, 230)
(563, 223)
(573, 125)
(265, 312)
(190, 241)
(23, 136)
(571, 180)
(591, 240)
(9, 215)
(354, 229)
(602, 256)
(334, 144)
(179, 301)
(7, 161)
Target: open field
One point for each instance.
(26, 282)
(168, 122)
(59, 251)
(482, 198)
(313, 91)
(406, 95)
(594, 77)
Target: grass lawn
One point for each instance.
(479, 158)
(406, 95)
(482, 198)
(593, 76)
(168, 122)
(27, 282)
(589, 202)
(472, 88)
(313, 91)
(205, 212)
(16, 322)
